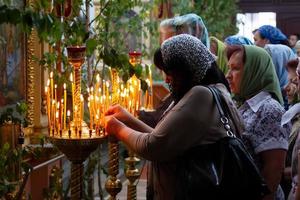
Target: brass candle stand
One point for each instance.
(113, 185)
(132, 174)
(73, 138)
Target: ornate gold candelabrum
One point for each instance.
(72, 137)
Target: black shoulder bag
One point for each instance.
(222, 170)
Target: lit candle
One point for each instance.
(97, 84)
(91, 117)
(51, 85)
(53, 108)
(61, 116)
(48, 106)
(81, 109)
(92, 106)
(65, 104)
(69, 122)
(55, 92)
(73, 94)
(57, 115)
(93, 103)
(57, 123)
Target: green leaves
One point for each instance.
(117, 30)
(218, 15)
(91, 45)
(9, 15)
(15, 115)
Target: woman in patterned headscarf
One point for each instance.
(268, 34)
(255, 86)
(192, 119)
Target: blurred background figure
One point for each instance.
(280, 55)
(291, 87)
(237, 40)
(293, 38)
(268, 34)
(297, 48)
(217, 47)
(290, 117)
(192, 24)
(166, 29)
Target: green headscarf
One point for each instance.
(222, 59)
(258, 75)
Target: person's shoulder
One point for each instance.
(198, 94)
(200, 91)
(272, 106)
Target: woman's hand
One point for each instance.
(112, 125)
(119, 113)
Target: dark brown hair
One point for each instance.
(292, 64)
(231, 49)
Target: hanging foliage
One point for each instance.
(218, 15)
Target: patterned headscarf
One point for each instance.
(258, 75)
(273, 34)
(190, 50)
(191, 24)
(237, 40)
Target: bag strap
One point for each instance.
(224, 119)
